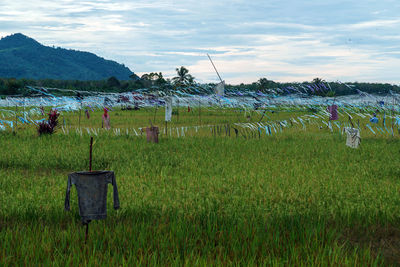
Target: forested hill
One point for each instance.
(24, 57)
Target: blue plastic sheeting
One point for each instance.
(374, 120)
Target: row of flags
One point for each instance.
(305, 122)
(331, 112)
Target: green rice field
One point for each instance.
(207, 197)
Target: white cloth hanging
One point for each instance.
(353, 137)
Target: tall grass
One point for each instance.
(294, 198)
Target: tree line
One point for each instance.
(155, 81)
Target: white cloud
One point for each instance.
(375, 23)
(282, 40)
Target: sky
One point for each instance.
(281, 40)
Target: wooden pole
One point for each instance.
(352, 125)
(90, 153)
(262, 116)
(86, 232)
(214, 67)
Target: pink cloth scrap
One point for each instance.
(333, 112)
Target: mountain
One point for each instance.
(24, 57)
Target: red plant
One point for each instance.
(49, 126)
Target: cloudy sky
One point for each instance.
(282, 40)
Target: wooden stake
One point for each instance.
(262, 116)
(90, 154)
(86, 232)
(352, 125)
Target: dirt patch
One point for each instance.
(383, 240)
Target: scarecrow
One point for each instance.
(106, 119)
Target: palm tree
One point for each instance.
(318, 81)
(264, 83)
(183, 77)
